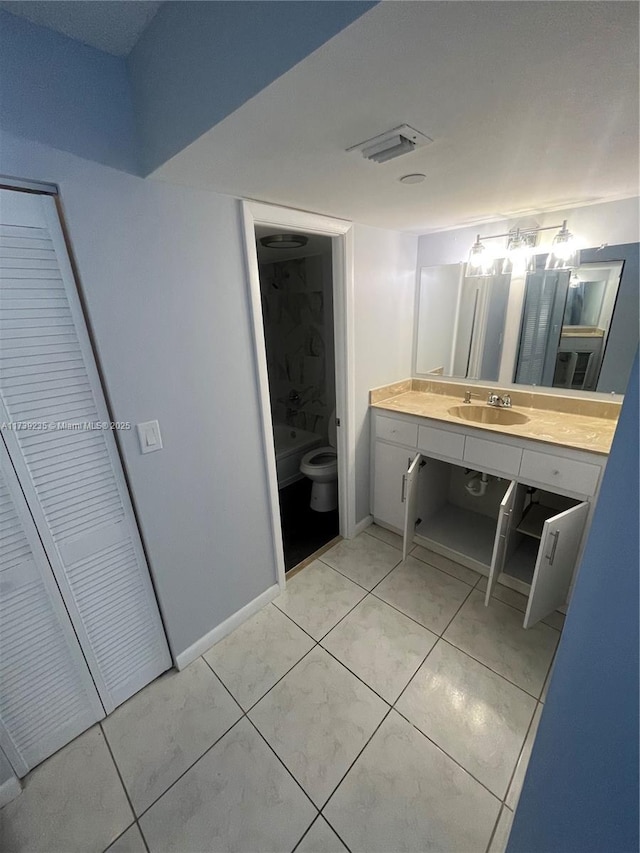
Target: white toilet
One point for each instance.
(321, 466)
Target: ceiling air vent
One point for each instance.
(394, 143)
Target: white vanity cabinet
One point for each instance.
(525, 530)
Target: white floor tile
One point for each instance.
(321, 839)
(445, 565)
(519, 601)
(129, 842)
(318, 597)
(72, 803)
(474, 715)
(258, 653)
(380, 645)
(523, 762)
(385, 535)
(317, 719)
(424, 593)
(404, 794)
(162, 730)
(364, 560)
(494, 635)
(238, 798)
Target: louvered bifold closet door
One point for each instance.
(71, 475)
(47, 696)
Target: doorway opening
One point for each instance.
(296, 296)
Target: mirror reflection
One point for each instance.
(551, 328)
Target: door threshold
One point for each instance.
(307, 560)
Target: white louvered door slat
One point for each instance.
(72, 477)
(47, 696)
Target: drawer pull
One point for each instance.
(404, 487)
(552, 554)
(555, 472)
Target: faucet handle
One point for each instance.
(506, 401)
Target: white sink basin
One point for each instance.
(488, 415)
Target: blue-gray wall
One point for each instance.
(581, 790)
(64, 94)
(623, 335)
(198, 62)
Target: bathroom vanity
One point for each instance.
(511, 500)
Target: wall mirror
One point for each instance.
(575, 330)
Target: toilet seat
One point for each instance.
(320, 460)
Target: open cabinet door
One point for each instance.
(561, 537)
(410, 498)
(500, 542)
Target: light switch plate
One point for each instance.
(149, 436)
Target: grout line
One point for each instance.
(193, 764)
(115, 764)
(348, 770)
(414, 675)
(380, 539)
(235, 701)
(144, 840)
(444, 571)
(285, 767)
(275, 684)
(495, 828)
(306, 832)
(126, 829)
(395, 566)
(444, 752)
(355, 675)
(532, 695)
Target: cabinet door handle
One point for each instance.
(404, 487)
(552, 554)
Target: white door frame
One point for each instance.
(256, 213)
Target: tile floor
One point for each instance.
(374, 706)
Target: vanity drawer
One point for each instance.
(441, 442)
(579, 477)
(481, 454)
(400, 432)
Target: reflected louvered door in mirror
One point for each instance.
(47, 696)
(70, 470)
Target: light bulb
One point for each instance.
(564, 254)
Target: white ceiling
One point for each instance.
(531, 105)
(110, 25)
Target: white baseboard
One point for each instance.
(220, 631)
(9, 790)
(362, 525)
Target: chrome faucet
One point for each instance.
(501, 402)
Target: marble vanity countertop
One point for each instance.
(579, 423)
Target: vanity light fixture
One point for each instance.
(564, 254)
(284, 241)
(481, 261)
(519, 257)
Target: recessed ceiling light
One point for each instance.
(417, 178)
(284, 241)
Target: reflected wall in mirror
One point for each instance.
(577, 331)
